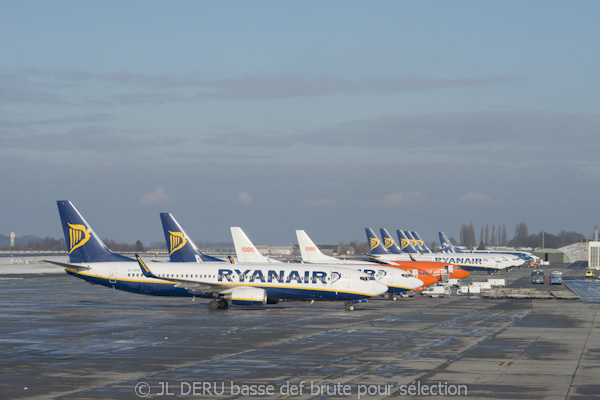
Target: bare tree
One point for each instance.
(464, 233)
(521, 235)
(487, 234)
(481, 235)
(472, 242)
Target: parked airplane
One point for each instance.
(245, 250)
(449, 247)
(464, 262)
(93, 262)
(257, 284)
(414, 258)
(397, 280)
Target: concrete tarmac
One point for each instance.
(65, 339)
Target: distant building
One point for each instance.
(327, 249)
(553, 256)
(594, 254)
(282, 251)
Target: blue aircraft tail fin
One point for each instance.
(388, 242)
(375, 243)
(405, 243)
(83, 244)
(179, 245)
(414, 241)
(446, 244)
(423, 245)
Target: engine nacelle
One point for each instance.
(247, 296)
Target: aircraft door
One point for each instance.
(113, 275)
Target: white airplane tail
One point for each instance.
(310, 252)
(245, 250)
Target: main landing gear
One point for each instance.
(349, 306)
(220, 304)
(393, 296)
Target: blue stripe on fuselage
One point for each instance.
(151, 288)
(169, 289)
(477, 268)
(394, 289)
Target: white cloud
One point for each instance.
(397, 198)
(475, 198)
(329, 202)
(158, 196)
(244, 198)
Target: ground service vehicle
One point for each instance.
(590, 274)
(556, 278)
(537, 276)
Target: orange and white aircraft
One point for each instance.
(391, 253)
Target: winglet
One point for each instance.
(145, 270)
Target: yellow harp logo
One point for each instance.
(404, 243)
(414, 242)
(78, 236)
(176, 242)
(420, 243)
(374, 243)
(389, 242)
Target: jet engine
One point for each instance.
(247, 296)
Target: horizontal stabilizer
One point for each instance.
(70, 266)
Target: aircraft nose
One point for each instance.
(428, 280)
(462, 274)
(379, 288)
(416, 283)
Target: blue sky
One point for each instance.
(276, 116)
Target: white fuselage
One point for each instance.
(463, 260)
(283, 281)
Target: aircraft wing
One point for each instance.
(67, 265)
(185, 283)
